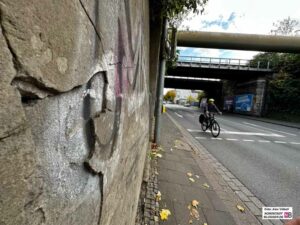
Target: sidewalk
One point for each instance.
(182, 160)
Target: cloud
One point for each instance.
(216, 53)
(234, 16)
(224, 24)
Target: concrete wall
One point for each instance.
(74, 110)
(257, 88)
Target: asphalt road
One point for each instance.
(263, 156)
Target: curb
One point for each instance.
(267, 121)
(250, 201)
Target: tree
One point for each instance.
(177, 10)
(190, 99)
(201, 94)
(170, 96)
(284, 90)
(285, 27)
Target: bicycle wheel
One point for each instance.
(215, 129)
(204, 125)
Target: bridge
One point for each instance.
(223, 63)
(219, 68)
(189, 71)
(207, 73)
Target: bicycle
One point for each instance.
(210, 123)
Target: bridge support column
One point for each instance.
(258, 88)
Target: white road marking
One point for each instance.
(220, 139)
(231, 139)
(248, 140)
(243, 133)
(255, 125)
(263, 141)
(223, 129)
(201, 138)
(280, 142)
(178, 115)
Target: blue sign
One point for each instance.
(243, 103)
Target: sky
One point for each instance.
(239, 16)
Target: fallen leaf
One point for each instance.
(156, 219)
(192, 179)
(205, 224)
(156, 173)
(158, 196)
(241, 208)
(195, 213)
(195, 203)
(189, 174)
(164, 214)
(205, 185)
(160, 149)
(159, 155)
(190, 221)
(197, 176)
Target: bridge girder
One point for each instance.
(254, 42)
(215, 73)
(191, 84)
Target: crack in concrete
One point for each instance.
(92, 22)
(31, 88)
(14, 131)
(101, 175)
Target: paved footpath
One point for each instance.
(212, 185)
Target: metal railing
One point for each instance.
(226, 62)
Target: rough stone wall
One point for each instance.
(74, 110)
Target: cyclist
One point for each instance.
(210, 107)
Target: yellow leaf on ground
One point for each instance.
(191, 179)
(190, 221)
(241, 208)
(195, 213)
(158, 196)
(164, 214)
(195, 203)
(189, 174)
(205, 224)
(159, 155)
(205, 185)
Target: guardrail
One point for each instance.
(226, 62)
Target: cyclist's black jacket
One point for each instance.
(211, 108)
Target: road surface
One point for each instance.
(263, 156)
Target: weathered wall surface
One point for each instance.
(74, 110)
(256, 87)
